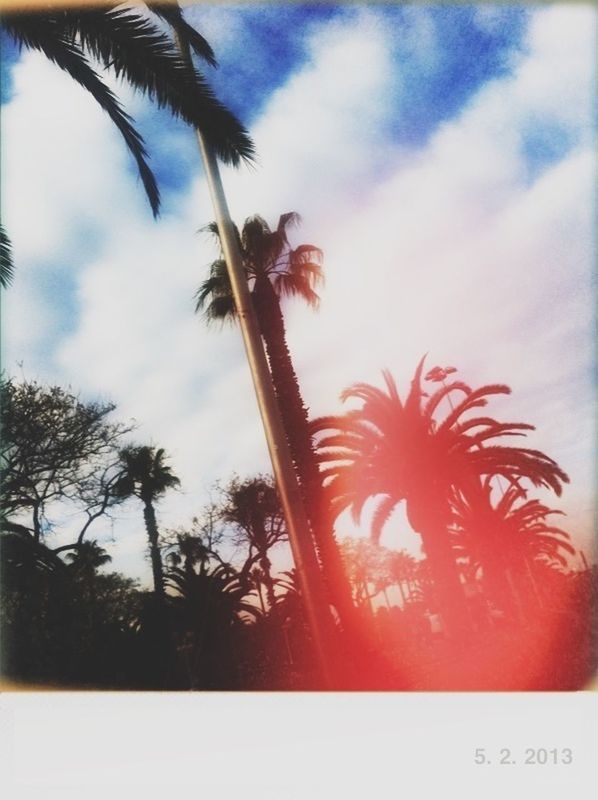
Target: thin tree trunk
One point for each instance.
(296, 423)
(151, 527)
(260, 595)
(37, 528)
(266, 567)
(386, 597)
(402, 593)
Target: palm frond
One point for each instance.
(381, 516)
(173, 15)
(292, 284)
(413, 401)
(443, 392)
(476, 399)
(46, 34)
(144, 55)
(6, 263)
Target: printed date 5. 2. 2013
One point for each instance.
(539, 756)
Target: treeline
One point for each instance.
(220, 615)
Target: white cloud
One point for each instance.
(454, 252)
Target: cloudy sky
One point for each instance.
(441, 157)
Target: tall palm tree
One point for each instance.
(506, 537)
(275, 270)
(148, 477)
(395, 450)
(143, 54)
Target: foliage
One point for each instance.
(6, 262)
(144, 474)
(509, 531)
(252, 513)
(267, 256)
(142, 53)
(394, 450)
(57, 452)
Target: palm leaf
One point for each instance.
(173, 15)
(47, 35)
(144, 56)
(381, 516)
(6, 263)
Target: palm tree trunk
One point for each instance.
(260, 595)
(151, 527)
(296, 424)
(266, 568)
(402, 593)
(448, 588)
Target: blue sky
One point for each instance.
(440, 155)
(265, 44)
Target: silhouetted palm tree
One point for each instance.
(275, 270)
(507, 536)
(143, 54)
(395, 450)
(87, 558)
(210, 607)
(146, 476)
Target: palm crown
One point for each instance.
(145, 474)
(267, 255)
(397, 450)
(508, 531)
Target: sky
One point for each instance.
(441, 156)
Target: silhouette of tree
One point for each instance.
(57, 453)
(276, 270)
(258, 580)
(395, 450)
(35, 619)
(147, 477)
(142, 53)
(252, 508)
(367, 568)
(507, 536)
(403, 570)
(87, 558)
(209, 608)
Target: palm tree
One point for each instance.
(395, 450)
(143, 54)
(146, 476)
(507, 537)
(275, 270)
(210, 610)
(87, 558)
